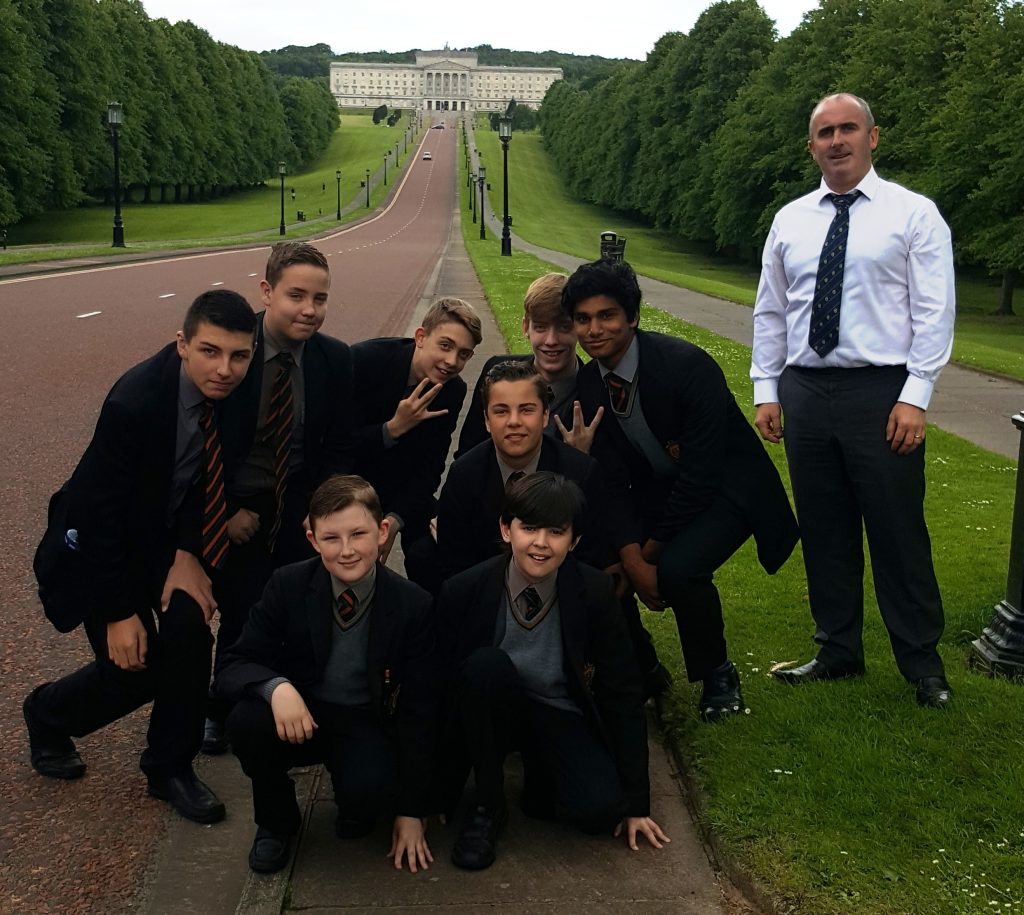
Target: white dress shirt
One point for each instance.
(898, 300)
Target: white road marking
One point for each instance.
(167, 295)
(253, 274)
(89, 314)
(219, 283)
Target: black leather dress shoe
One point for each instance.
(52, 754)
(351, 827)
(189, 796)
(269, 852)
(933, 692)
(475, 847)
(818, 670)
(215, 740)
(721, 696)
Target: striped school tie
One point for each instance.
(277, 433)
(823, 336)
(618, 392)
(346, 607)
(215, 515)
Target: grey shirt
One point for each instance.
(507, 471)
(188, 443)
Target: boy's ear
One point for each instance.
(265, 290)
(311, 537)
(383, 530)
(420, 336)
(506, 531)
(575, 540)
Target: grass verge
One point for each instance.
(846, 797)
(357, 146)
(546, 215)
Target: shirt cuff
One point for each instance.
(265, 690)
(389, 442)
(917, 392)
(766, 390)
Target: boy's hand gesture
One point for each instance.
(411, 411)
(409, 839)
(644, 825)
(580, 436)
(292, 718)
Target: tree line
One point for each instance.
(707, 138)
(201, 118)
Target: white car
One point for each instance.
(427, 155)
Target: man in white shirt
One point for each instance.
(853, 323)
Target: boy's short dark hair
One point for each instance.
(341, 491)
(221, 308)
(614, 279)
(544, 499)
(512, 370)
(287, 254)
(450, 309)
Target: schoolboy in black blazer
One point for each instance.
(302, 378)
(335, 665)
(126, 547)
(537, 657)
(408, 397)
(515, 399)
(701, 482)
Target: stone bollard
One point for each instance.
(1000, 650)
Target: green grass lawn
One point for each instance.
(358, 145)
(846, 797)
(546, 215)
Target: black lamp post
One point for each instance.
(388, 153)
(472, 194)
(483, 232)
(396, 154)
(282, 171)
(114, 119)
(337, 177)
(367, 189)
(505, 134)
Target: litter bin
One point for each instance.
(613, 247)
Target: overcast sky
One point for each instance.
(628, 28)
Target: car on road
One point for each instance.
(427, 155)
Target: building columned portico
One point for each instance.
(439, 81)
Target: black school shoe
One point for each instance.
(270, 851)
(475, 848)
(188, 796)
(52, 754)
(721, 697)
(215, 738)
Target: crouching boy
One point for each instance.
(335, 665)
(540, 661)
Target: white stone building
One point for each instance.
(440, 81)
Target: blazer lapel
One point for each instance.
(320, 615)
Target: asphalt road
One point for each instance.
(84, 846)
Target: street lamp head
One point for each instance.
(505, 128)
(282, 169)
(367, 174)
(115, 115)
(483, 172)
(337, 175)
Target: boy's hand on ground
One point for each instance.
(291, 717)
(642, 826)
(580, 436)
(411, 411)
(126, 643)
(409, 839)
(242, 525)
(186, 574)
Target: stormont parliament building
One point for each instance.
(440, 81)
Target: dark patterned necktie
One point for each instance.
(514, 477)
(533, 603)
(278, 434)
(215, 520)
(618, 392)
(823, 336)
(346, 606)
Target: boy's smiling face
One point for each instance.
(348, 542)
(537, 551)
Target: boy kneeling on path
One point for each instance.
(540, 661)
(336, 665)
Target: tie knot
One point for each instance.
(346, 604)
(843, 201)
(206, 413)
(515, 477)
(286, 360)
(533, 602)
